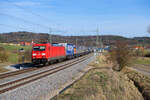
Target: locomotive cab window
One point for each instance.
(39, 48)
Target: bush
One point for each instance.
(28, 55)
(139, 53)
(147, 54)
(20, 60)
(25, 56)
(3, 55)
(120, 55)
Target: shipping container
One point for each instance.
(69, 49)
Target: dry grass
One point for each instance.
(2, 67)
(102, 84)
(101, 62)
(141, 81)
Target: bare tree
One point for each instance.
(120, 55)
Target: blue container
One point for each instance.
(69, 49)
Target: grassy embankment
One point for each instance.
(102, 83)
(140, 80)
(13, 56)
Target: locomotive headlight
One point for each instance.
(34, 54)
(43, 54)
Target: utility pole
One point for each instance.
(50, 35)
(99, 42)
(76, 41)
(97, 38)
(84, 40)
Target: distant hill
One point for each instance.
(16, 37)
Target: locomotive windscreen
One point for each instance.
(39, 48)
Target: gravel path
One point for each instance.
(142, 68)
(143, 71)
(47, 87)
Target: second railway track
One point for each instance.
(10, 74)
(20, 82)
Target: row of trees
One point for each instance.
(120, 55)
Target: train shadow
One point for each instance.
(23, 66)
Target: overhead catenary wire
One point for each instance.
(30, 22)
(26, 21)
(30, 11)
(24, 9)
(12, 26)
(35, 14)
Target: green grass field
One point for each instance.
(141, 60)
(12, 51)
(13, 47)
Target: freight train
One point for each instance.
(44, 53)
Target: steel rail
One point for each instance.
(15, 84)
(14, 73)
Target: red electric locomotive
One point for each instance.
(45, 52)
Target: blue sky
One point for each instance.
(76, 17)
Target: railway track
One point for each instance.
(20, 82)
(18, 72)
(14, 73)
(10, 74)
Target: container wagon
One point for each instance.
(70, 51)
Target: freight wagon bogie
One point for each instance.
(39, 61)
